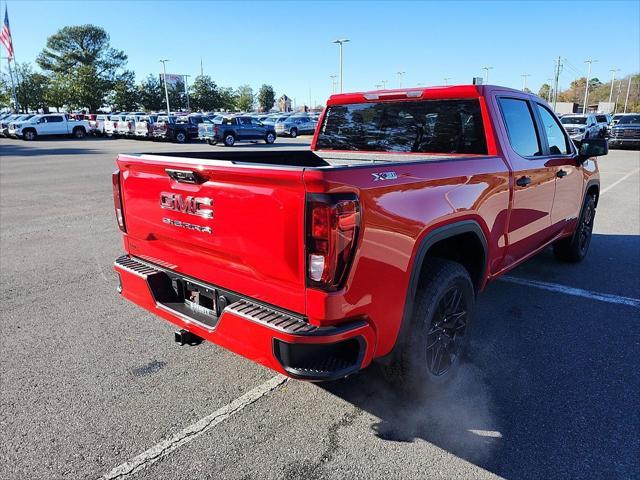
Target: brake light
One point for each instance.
(333, 223)
(117, 200)
(215, 130)
(129, 125)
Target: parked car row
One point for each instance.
(29, 126)
(212, 127)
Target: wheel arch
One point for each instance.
(593, 188)
(442, 242)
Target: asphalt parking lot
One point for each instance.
(89, 382)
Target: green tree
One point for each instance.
(244, 98)
(83, 54)
(125, 96)
(57, 95)
(32, 88)
(544, 91)
(151, 94)
(228, 99)
(266, 98)
(5, 91)
(177, 100)
(204, 94)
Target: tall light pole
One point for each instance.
(446, 80)
(166, 90)
(524, 80)
(626, 100)
(333, 83)
(186, 89)
(400, 74)
(613, 80)
(486, 75)
(384, 84)
(550, 80)
(586, 89)
(340, 42)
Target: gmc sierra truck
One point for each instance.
(372, 245)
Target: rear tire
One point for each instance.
(181, 137)
(293, 132)
(78, 133)
(270, 138)
(229, 140)
(575, 248)
(428, 357)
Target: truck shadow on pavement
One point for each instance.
(9, 149)
(549, 388)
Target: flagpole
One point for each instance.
(13, 87)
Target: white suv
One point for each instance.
(580, 127)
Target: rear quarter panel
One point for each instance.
(396, 216)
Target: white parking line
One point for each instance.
(605, 190)
(576, 292)
(193, 431)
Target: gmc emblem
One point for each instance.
(191, 205)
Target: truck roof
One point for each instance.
(449, 91)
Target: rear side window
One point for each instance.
(54, 119)
(425, 126)
(518, 118)
(556, 138)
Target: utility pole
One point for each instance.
(486, 75)
(186, 89)
(586, 89)
(340, 42)
(400, 74)
(613, 80)
(550, 80)
(555, 84)
(166, 89)
(626, 100)
(446, 80)
(524, 80)
(333, 83)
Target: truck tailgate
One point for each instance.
(253, 242)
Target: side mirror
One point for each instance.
(592, 147)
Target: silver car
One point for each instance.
(580, 127)
(295, 125)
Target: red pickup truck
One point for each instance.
(372, 245)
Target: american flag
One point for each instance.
(5, 35)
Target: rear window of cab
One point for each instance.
(425, 126)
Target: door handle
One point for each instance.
(561, 173)
(523, 181)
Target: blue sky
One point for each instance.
(288, 44)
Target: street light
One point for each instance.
(186, 90)
(446, 80)
(400, 79)
(524, 80)
(486, 76)
(333, 83)
(384, 84)
(340, 42)
(166, 90)
(613, 80)
(586, 88)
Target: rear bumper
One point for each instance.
(280, 340)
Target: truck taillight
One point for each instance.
(333, 223)
(215, 130)
(129, 125)
(117, 200)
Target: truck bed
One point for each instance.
(304, 158)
